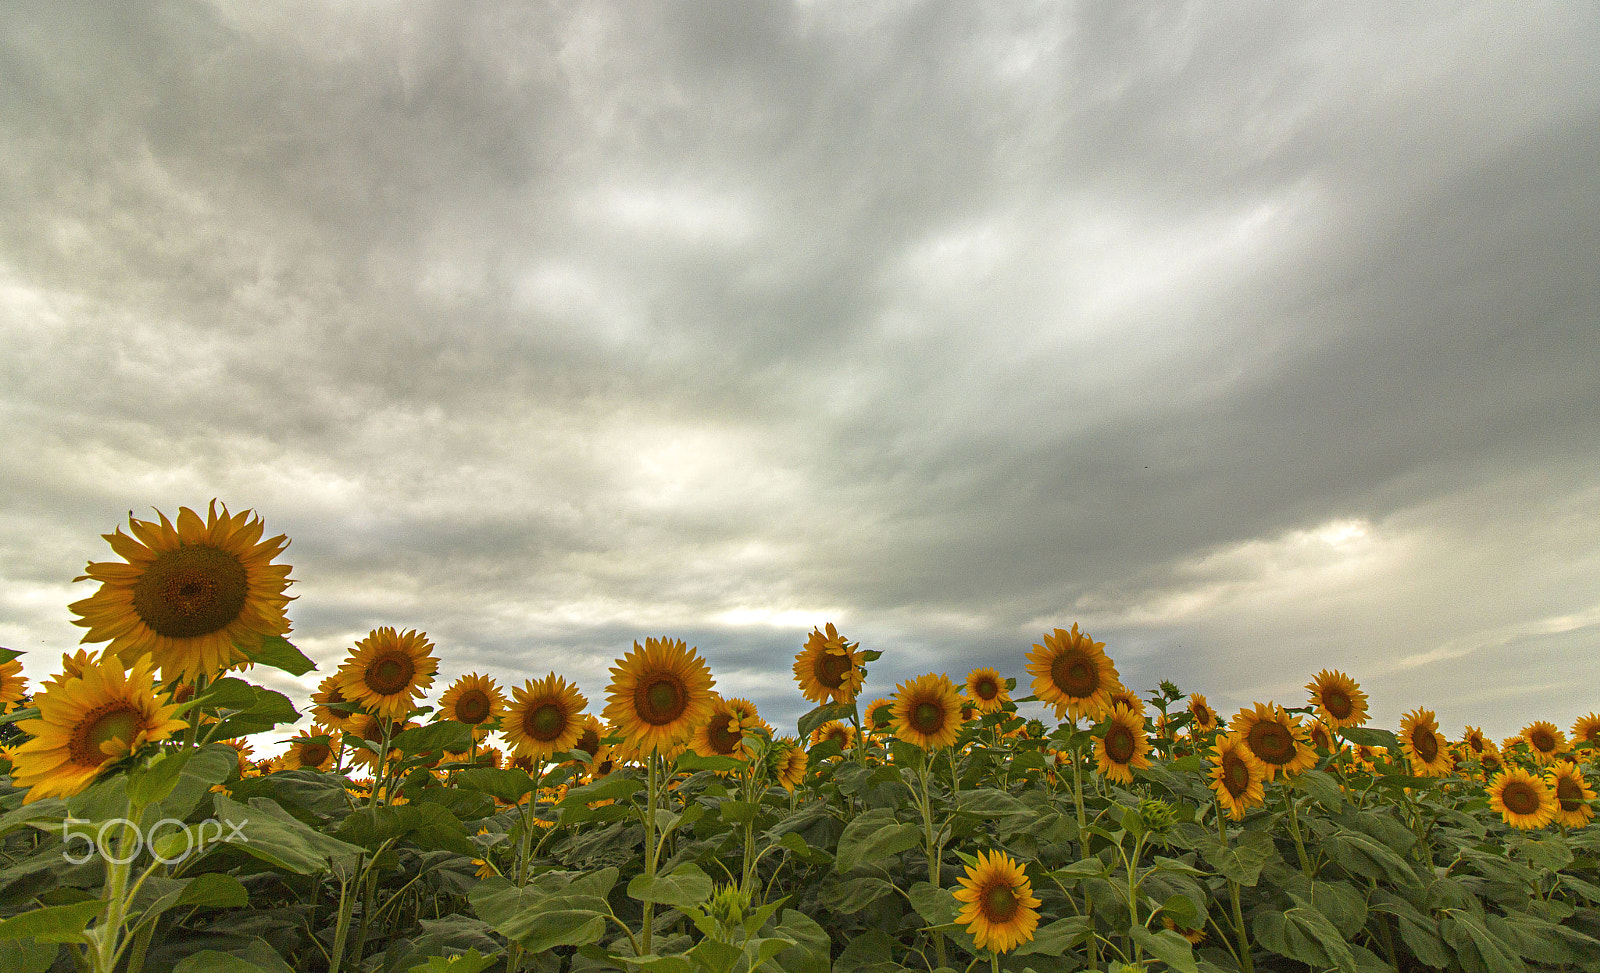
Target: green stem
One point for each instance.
(932, 846)
(1233, 895)
(341, 929)
(1083, 839)
(1294, 829)
(653, 759)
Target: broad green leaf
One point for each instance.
(205, 768)
(438, 737)
(1242, 859)
(811, 949)
(853, 895)
(874, 835)
(992, 803)
(279, 653)
(1371, 736)
(154, 781)
(53, 924)
(1056, 938)
(1420, 932)
(1322, 788)
(689, 762)
(1168, 947)
(258, 957)
(1304, 935)
(822, 714)
(428, 826)
(27, 955)
(684, 886)
(268, 832)
(1362, 855)
(618, 786)
(1479, 950)
(536, 920)
(469, 962)
(510, 785)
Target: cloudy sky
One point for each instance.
(1253, 338)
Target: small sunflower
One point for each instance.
(827, 667)
(1587, 730)
(1524, 801)
(13, 684)
(1339, 701)
(1476, 743)
(1071, 672)
(878, 716)
(544, 718)
(787, 763)
(387, 671)
(1544, 741)
(841, 733)
(1274, 738)
(927, 711)
(659, 693)
(1205, 718)
(589, 737)
(474, 700)
(722, 733)
(987, 690)
(1237, 776)
(327, 696)
(88, 722)
(312, 750)
(197, 597)
(997, 903)
(1321, 736)
(1424, 747)
(1122, 749)
(1572, 794)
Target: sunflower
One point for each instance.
(88, 722)
(474, 700)
(1274, 738)
(1205, 718)
(1544, 741)
(1475, 742)
(1321, 737)
(13, 684)
(827, 667)
(841, 733)
(998, 906)
(659, 693)
(878, 716)
(1572, 794)
(722, 733)
(1523, 800)
(545, 717)
(311, 750)
(1491, 762)
(197, 597)
(386, 670)
(1195, 936)
(371, 729)
(1339, 701)
(1424, 747)
(1071, 671)
(987, 690)
(323, 701)
(927, 711)
(1122, 749)
(1237, 776)
(787, 763)
(1587, 730)
(589, 736)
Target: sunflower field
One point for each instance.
(667, 829)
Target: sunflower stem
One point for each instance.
(1233, 895)
(1083, 836)
(932, 845)
(1294, 829)
(653, 760)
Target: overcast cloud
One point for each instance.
(1255, 339)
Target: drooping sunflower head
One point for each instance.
(1276, 739)
(723, 732)
(388, 671)
(474, 700)
(927, 711)
(1572, 793)
(1237, 776)
(1524, 801)
(997, 903)
(1424, 746)
(828, 667)
(197, 596)
(659, 693)
(590, 735)
(1475, 742)
(1587, 730)
(786, 763)
(987, 690)
(1205, 718)
(1121, 750)
(88, 722)
(1337, 698)
(544, 717)
(1545, 742)
(1071, 672)
(13, 684)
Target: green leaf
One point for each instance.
(279, 653)
(689, 762)
(430, 827)
(1420, 932)
(27, 955)
(436, 737)
(1304, 935)
(1056, 938)
(1361, 855)
(154, 781)
(1369, 736)
(53, 924)
(874, 835)
(510, 785)
(469, 962)
(1479, 950)
(537, 920)
(260, 959)
(205, 768)
(811, 949)
(618, 786)
(1242, 859)
(1322, 788)
(822, 714)
(1168, 947)
(992, 803)
(684, 886)
(853, 895)
(268, 832)
(265, 710)
(211, 890)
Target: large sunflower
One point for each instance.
(1072, 672)
(88, 722)
(1572, 794)
(1587, 730)
(722, 733)
(1523, 800)
(827, 667)
(474, 700)
(388, 671)
(1122, 749)
(997, 903)
(1205, 718)
(13, 684)
(1545, 742)
(1275, 738)
(927, 711)
(659, 693)
(1339, 701)
(1427, 750)
(197, 597)
(1237, 776)
(987, 690)
(544, 717)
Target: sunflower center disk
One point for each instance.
(1272, 742)
(546, 722)
(313, 754)
(927, 718)
(987, 690)
(1119, 744)
(661, 700)
(589, 742)
(117, 722)
(192, 591)
(831, 670)
(725, 736)
(1423, 742)
(1235, 775)
(1074, 676)
(999, 904)
(1337, 703)
(1542, 741)
(391, 675)
(1569, 794)
(1520, 799)
(472, 708)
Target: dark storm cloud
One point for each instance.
(547, 327)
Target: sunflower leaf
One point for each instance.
(53, 924)
(1168, 947)
(874, 835)
(279, 653)
(438, 737)
(822, 714)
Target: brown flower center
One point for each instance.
(1202, 715)
(724, 734)
(545, 722)
(660, 699)
(192, 591)
(927, 718)
(999, 903)
(1235, 775)
(1519, 797)
(313, 754)
(986, 689)
(1425, 744)
(1271, 741)
(473, 707)
(1119, 744)
(832, 669)
(390, 673)
(1337, 703)
(1074, 674)
(113, 721)
(1542, 740)
(588, 741)
(1569, 793)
